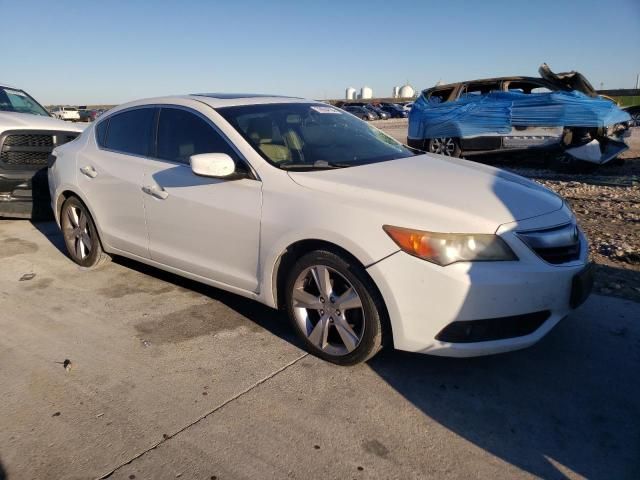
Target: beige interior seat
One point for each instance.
(260, 133)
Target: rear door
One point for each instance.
(205, 226)
(111, 177)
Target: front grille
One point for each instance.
(30, 149)
(555, 245)
(24, 158)
(28, 141)
(489, 329)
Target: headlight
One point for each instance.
(446, 248)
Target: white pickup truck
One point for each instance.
(28, 134)
(67, 113)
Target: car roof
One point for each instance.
(214, 100)
(487, 80)
(6, 85)
(217, 100)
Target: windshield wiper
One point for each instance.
(317, 165)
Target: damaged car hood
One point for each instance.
(568, 80)
(459, 196)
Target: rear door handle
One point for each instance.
(89, 171)
(154, 191)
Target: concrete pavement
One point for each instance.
(172, 379)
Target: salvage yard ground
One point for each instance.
(127, 372)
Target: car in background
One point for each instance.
(559, 114)
(28, 134)
(394, 111)
(634, 113)
(66, 113)
(361, 112)
(296, 204)
(87, 115)
(377, 112)
(382, 114)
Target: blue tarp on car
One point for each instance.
(497, 112)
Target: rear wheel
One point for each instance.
(80, 235)
(445, 146)
(334, 308)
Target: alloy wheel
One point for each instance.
(77, 234)
(328, 310)
(443, 146)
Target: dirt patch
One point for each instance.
(120, 290)
(10, 247)
(39, 284)
(191, 322)
(376, 448)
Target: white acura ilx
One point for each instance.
(304, 207)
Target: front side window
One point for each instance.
(12, 100)
(440, 95)
(182, 134)
(132, 132)
(311, 136)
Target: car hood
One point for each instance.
(28, 121)
(434, 193)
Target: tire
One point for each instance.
(447, 146)
(80, 235)
(341, 322)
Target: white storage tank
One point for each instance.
(407, 91)
(396, 92)
(350, 93)
(366, 92)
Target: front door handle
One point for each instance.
(89, 171)
(154, 191)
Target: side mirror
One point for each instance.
(216, 165)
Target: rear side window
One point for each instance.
(182, 134)
(101, 132)
(132, 132)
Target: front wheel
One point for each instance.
(80, 235)
(445, 146)
(334, 308)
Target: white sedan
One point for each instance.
(304, 207)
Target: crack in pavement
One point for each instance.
(166, 438)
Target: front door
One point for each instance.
(205, 226)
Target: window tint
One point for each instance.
(132, 132)
(101, 132)
(182, 134)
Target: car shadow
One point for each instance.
(265, 317)
(566, 406)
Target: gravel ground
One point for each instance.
(606, 202)
(608, 208)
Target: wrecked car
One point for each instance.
(559, 113)
(28, 134)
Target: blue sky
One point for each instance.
(113, 51)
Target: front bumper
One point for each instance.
(423, 298)
(24, 194)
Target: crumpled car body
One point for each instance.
(560, 112)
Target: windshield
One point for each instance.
(12, 100)
(303, 135)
